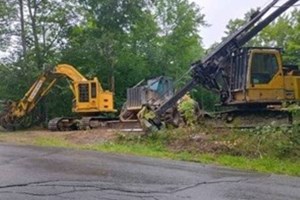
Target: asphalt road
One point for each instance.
(51, 173)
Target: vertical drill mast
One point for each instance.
(211, 69)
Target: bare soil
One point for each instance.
(75, 137)
(90, 136)
(198, 143)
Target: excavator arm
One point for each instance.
(14, 112)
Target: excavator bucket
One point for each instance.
(5, 120)
(8, 121)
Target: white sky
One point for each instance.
(219, 12)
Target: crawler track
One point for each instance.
(249, 118)
(85, 123)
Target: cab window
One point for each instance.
(263, 68)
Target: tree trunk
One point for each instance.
(23, 33)
(32, 15)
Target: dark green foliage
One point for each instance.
(207, 100)
(128, 40)
(133, 40)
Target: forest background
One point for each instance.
(121, 40)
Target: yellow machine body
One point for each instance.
(90, 97)
(265, 80)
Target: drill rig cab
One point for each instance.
(258, 77)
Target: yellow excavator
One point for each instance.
(90, 100)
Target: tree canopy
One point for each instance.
(121, 42)
(283, 33)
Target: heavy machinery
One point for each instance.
(89, 101)
(152, 92)
(250, 81)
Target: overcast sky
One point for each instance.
(219, 12)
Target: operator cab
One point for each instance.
(257, 76)
(92, 98)
(264, 67)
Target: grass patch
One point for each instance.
(160, 146)
(52, 142)
(268, 165)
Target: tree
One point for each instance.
(180, 23)
(37, 28)
(7, 13)
(34, 34)
(121, 41)
(283, 33)
(111, 42)
(129, 39)
(292, 45)
(235, 24)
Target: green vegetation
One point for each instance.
(124, 40)
(281, 33)
(260, 152)
(52, 142)
(121, 40)
(127, 41)
(269, 165)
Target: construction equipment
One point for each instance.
(253, 81)
(150, 92)
(89, 100)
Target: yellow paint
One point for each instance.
(297, 87)
(281, 87)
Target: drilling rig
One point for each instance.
(250, 80)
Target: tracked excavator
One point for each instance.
(252, 82)
(90, 100)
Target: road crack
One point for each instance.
(98, 188)
(27, 184)
(207, 183)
